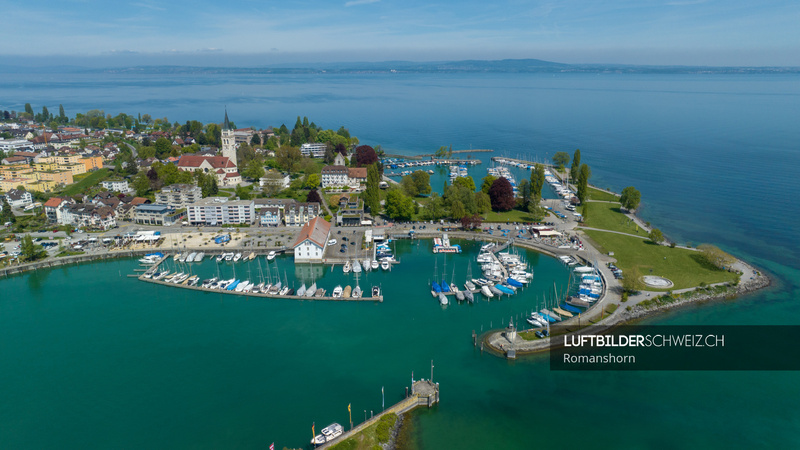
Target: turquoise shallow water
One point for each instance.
(92, 359)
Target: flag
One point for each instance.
(348, 407)
(313, 434)
(272, 446)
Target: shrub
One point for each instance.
(628, 308)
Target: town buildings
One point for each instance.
(215, 211)
(179, 195)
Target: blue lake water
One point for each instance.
(715, 157)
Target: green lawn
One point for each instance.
(608, 216)
(685, 268)
(89, 180)
(596, 194)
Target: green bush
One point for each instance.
(382, 431)
(349, 444)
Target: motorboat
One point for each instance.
(374, 264)
(150, 259)
(251, 256)
(228, 256)
(191, 257)
(220, 257)
(583, 269)
(486, 292)
(469, 285)
(237, 257)
(328, 434)
(494, 290)
(376, 291)
(176, 257)
(443, 299)
(286, 290)
(271, 255)
(347, 267)
(385, 265)
(337, 292)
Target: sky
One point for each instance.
(264, 32)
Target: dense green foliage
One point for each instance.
(399, 206)
(560, 159)
(537, 181)
(574, 169)
(583, 183)
(656, 236)
(372, 195)
(502, 195)
(630, 198)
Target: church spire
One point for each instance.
(226, 125)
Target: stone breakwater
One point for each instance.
(498, 343)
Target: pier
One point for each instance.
(364, 298)
(423, 393)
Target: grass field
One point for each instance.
(90, 180)
(608, 216)
(595, 194)
(685, 268)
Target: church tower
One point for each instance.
(228, 141)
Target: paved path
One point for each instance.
(580, 227)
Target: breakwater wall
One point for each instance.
(423, 393)
(72, 260)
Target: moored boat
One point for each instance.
(443, 299)
(337, 291)
(468, 295)
(347, 291)
(271, 255)
(356, 292)
(311, 290)
(486, 292)
(328, 434)
(374, 264)
(376, 291)
(385, 265)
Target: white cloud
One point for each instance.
(360, 2)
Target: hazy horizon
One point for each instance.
(246, 33)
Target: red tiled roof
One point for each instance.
(139, 201)
(53, 202)
(216, 162)
(357, 172)
(232, 175)
(316, 230)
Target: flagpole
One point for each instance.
(313, 435)
(351, 416)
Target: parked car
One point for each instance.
(332, 242)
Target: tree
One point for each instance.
(560, 159)
(502, 195)
(467, 182)
(585, 211)
(163, 147)
(482, 202)
(28, 250)
(457, 210)
(365, 155)
(487, 183)
(574, 169)
(254, 169)
(273, 183)
(525, 194)
(255, 140)
(422, 181)
(630, 198)
(537, 181)
(141, 184)
(313, 181)
(470, 222)
(372, 195)
(656, 235)
(29, 109)
(288, 158)
(408, 186)
(716, 257)
(583, 183)
(442, 152)
(313, 196)
(241, 192)
(6, 215)
(399, 206)
(434, 209)
(632, 281)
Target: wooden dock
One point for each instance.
(154, 268)
(423, 393)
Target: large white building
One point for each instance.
(334, 176)
(116, 185)
(19, 199)
(220, 211)
(310, 244)
(314, 150)
(179, 195)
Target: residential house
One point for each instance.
(297, 214)
(356, 176)
(314, 150)
(54, 207)
(116, 186)
(270, 217)
(311, 242)
(179, 195)
(19, 199)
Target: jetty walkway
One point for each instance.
(423, 393)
